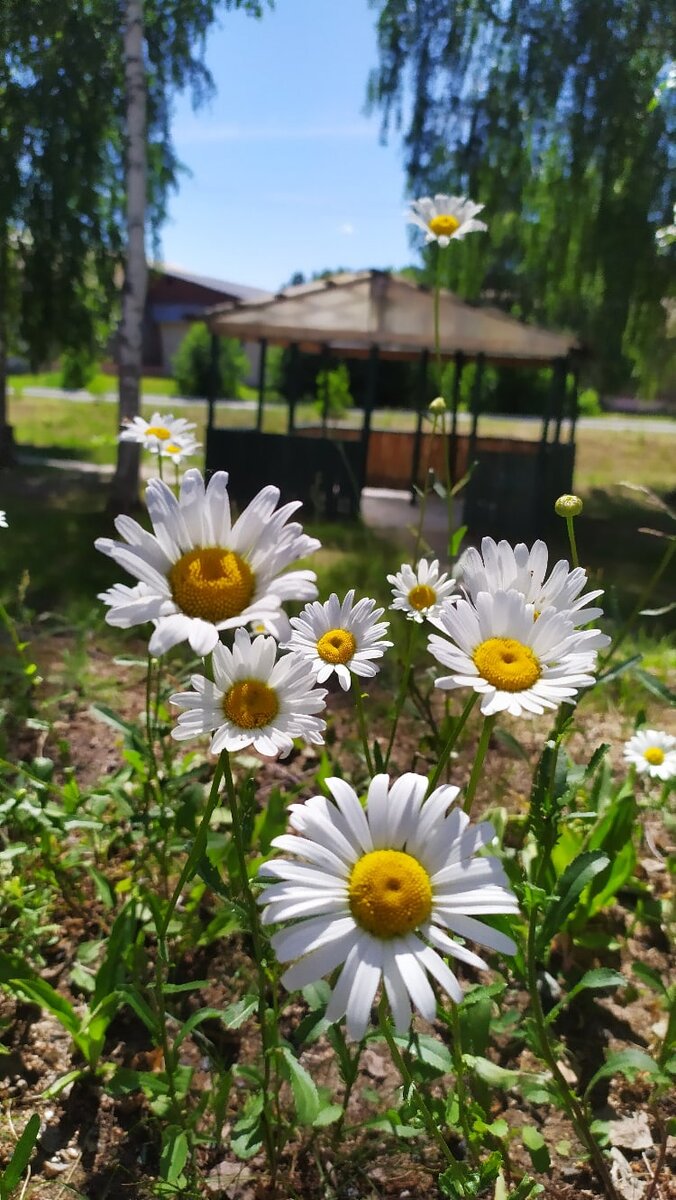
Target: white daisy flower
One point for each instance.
(3, 520)
(151, 434)
(419, 593)
(278, 627)
(445, 217)
(340, 637)
(182, 446)
(375, 892)
(500, 567)
(653, 753)
(256, 699)
(517, 664)
(204, 573)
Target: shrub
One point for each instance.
(76, 369)
(588, 403)
(191, 365)
(333, 391)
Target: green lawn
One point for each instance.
(88, 430)
(100, 385)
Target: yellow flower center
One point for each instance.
(390, 893)
(507, 664)
(212, 583)
(158, 431)
(421, 596)
(250, 704)
(172, 449)
(336, 646)
(444, 225)
(654, 755)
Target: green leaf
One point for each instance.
(600, 977)
(11, 1176)
(429, 1050)
(620, 669)
(305, 1096)
(625, 1062)
(654, 685)
(328, 1116)
(650, 977)
(537, 1148)
(569, 888)
(456, 541)
(174, 1155)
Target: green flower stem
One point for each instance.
(403, 688)
(481, 749)
(452, 739)
(570, 1101)
(414, 1092)
(160, 468)
(350, 1077)
(425, 493)
(570, 525)
(198, 847)
(640, 603)
(356, 688)
(459, 1068)
(269, 1043)
(437, 296)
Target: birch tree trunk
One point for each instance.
(124, 491)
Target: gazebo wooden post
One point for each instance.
(422, 405)
(293, 386)
(369, 405)
(476, 404)
(212, 378)
(455, 400)
(561, 373)
(573, 401)
(324, 371)
(261, 383)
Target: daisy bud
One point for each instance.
(568, 506)
(438, 405)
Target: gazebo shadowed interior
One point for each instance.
(380, 316)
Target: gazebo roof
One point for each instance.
(352, 312)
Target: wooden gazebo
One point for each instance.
(377, 315)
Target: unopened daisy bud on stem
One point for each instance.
(438, 405)
(569, 507)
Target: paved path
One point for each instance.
(611, 424)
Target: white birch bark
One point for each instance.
(124, 493)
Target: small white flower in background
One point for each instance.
(653, 753)
(445, 217)
(518, 663)
(500, 568)
(278, 627)
(180, 447)
(202, 572)
(3, 520)
(375, 890)
(151, 434)
(256, 699)
(344, 638)
(419, 593)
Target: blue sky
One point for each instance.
(287, 172)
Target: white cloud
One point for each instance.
(200, 132)
(346, 228)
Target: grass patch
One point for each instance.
(99, 385)
(88, 430)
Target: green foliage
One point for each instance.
(13, 1172)
(192, 366)
(333, 392)
(588, 403)
(574, 201)
(77, 370)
